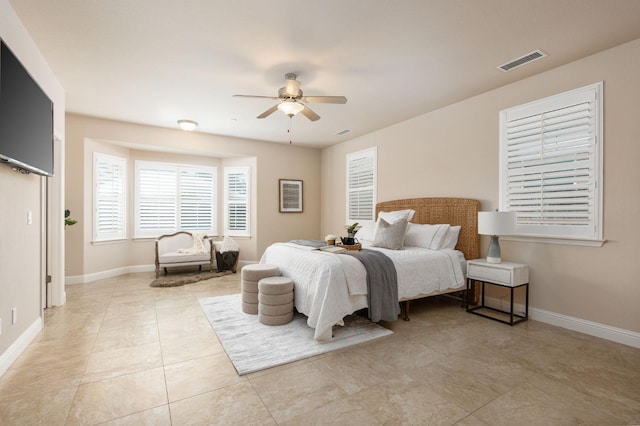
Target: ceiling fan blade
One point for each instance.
(273, 98)
(268, 112)
(307, 112)
(325, 99)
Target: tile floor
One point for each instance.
(123, 353)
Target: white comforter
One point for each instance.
(330, 286)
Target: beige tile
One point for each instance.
(126, 337)
(39, 407)
(233, 405)
(158, 416)
(463, 381)
(26, 379)
(339, 412)
(200, 375)
(117, 362)
(296, 391)
(435, 369)
(118, 397)
(532, 406)
(406, 401)
(183, 348)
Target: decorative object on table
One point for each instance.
(252, 346)
(67, 220)
(351, 233)
(190, 277)
(356, 246)
(290, 196)
(331, 239)
(496, 224)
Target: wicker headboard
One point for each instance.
(452, 211)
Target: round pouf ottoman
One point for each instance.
(275, 300)
(250, 276)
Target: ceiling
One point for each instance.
(157, 61)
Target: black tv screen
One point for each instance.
(26, 118)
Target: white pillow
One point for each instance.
(425, 236)
(390, 235)
(451, 238)
(366, 232)
(392, 217)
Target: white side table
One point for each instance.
(506, 274)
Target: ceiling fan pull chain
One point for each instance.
(289, 130)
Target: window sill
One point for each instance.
(105, 242)
(555, 240)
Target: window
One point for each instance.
(361, 185)
(236, 201)
(551, 165)
(174, 197)
(109, 197)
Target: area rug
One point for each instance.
(174, 280)
(253, 346)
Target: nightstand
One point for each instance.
(506, 274)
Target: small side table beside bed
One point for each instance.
(506, 274)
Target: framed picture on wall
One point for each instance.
(290, 196)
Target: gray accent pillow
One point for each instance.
(390, 235)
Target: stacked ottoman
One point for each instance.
(275, 300)
(250, 276)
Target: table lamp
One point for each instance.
(496, 224)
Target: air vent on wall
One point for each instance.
(343, 132)
(523, 60)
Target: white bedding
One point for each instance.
(330, 286)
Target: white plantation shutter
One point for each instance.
(174, 197)
(551, 164)
(361, 185)
(109, 197)
(236, 187)
(196, 200)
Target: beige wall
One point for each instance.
(454, 152)
(269, 162)
(22, 245)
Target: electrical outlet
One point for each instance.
(14, 316)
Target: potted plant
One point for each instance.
(351, 233)
(67, 219)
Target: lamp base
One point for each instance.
(493, 254)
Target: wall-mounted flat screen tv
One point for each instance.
(26, 118)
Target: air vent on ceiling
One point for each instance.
(523, 60)
(343, 132)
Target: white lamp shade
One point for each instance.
(496, 223)
(290, 108)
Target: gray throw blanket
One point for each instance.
(382, 284)
(309, 243)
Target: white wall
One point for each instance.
(454, 152)
(22, 250)
(269, 162)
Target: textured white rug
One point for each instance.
(253, 346)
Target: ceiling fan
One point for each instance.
(293, 99)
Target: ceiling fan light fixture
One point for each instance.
(290, 108)
(187, 125)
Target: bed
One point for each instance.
(330, 286)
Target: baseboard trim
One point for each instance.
(12, 353)
(615, 334)
(83, 279)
